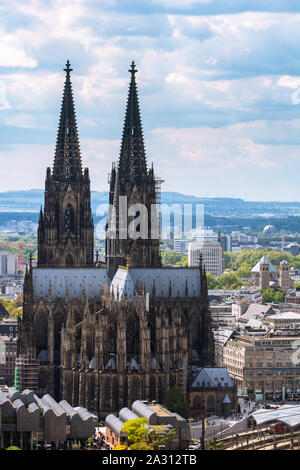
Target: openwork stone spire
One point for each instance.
(66, 228)
(67, 163)
(132, 162)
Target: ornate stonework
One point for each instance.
(106, 336)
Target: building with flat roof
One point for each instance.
(8, 354)
(284, 319)
(213, 256)
(266, 366)
(8, 264)
(9, 327)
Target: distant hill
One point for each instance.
(228, 213)
(31, 200)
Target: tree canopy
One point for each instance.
(143, 437)
(272, 295)
(171, 257)
(14, 307)
(136, 430)
(249, 258)
(177, 402)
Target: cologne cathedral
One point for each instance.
(106, 334)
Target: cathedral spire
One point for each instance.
(132, 162)
(67, 162)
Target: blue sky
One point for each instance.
(219, 87)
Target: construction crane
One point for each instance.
(21, 247)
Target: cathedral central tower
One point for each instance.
(66, 228)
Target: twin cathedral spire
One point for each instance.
(67, 161)
(66, 229)
(132, 185)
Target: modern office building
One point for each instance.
(213, 256)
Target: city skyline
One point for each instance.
(218, 89)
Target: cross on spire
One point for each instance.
(132, 70)
(68, 68)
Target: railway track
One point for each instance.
(260, 440)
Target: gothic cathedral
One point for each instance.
(104, 335)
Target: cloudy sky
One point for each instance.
(219, 87)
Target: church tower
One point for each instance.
(132, 231)
(284, 276)
(66, 228)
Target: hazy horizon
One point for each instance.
(172, 192)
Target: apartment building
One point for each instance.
(268, 367)
(8, 354)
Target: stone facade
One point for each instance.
(264, 275)
(265, 366)
(212, 392)
(66, 228)
(108, 335)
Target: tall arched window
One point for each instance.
(152, 388)
(43, 379)
(69, 260)
(41, 331)
(135, 389)
(69, 219)
(115, 394)
(197, 402)
(58, 323)
(133, 336)
(106, 393)
(210, 403)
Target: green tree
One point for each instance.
(171, 257)
(228, 260)
(14, 307)
(271, 295)
(184, 262)
(6, 303)
(229, 281)
(249, 258)
(136, 430)
(212, 282)
(243, 272)
(90, 442)
(141, 445)
(159, 436)
(177, 402)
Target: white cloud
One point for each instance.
(12, 53)
(21, 120)
(239, 144)
(289, 82)
(180, 3)
(24, 166)
(28, 92)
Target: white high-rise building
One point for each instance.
(8, 264)
(213, 256)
